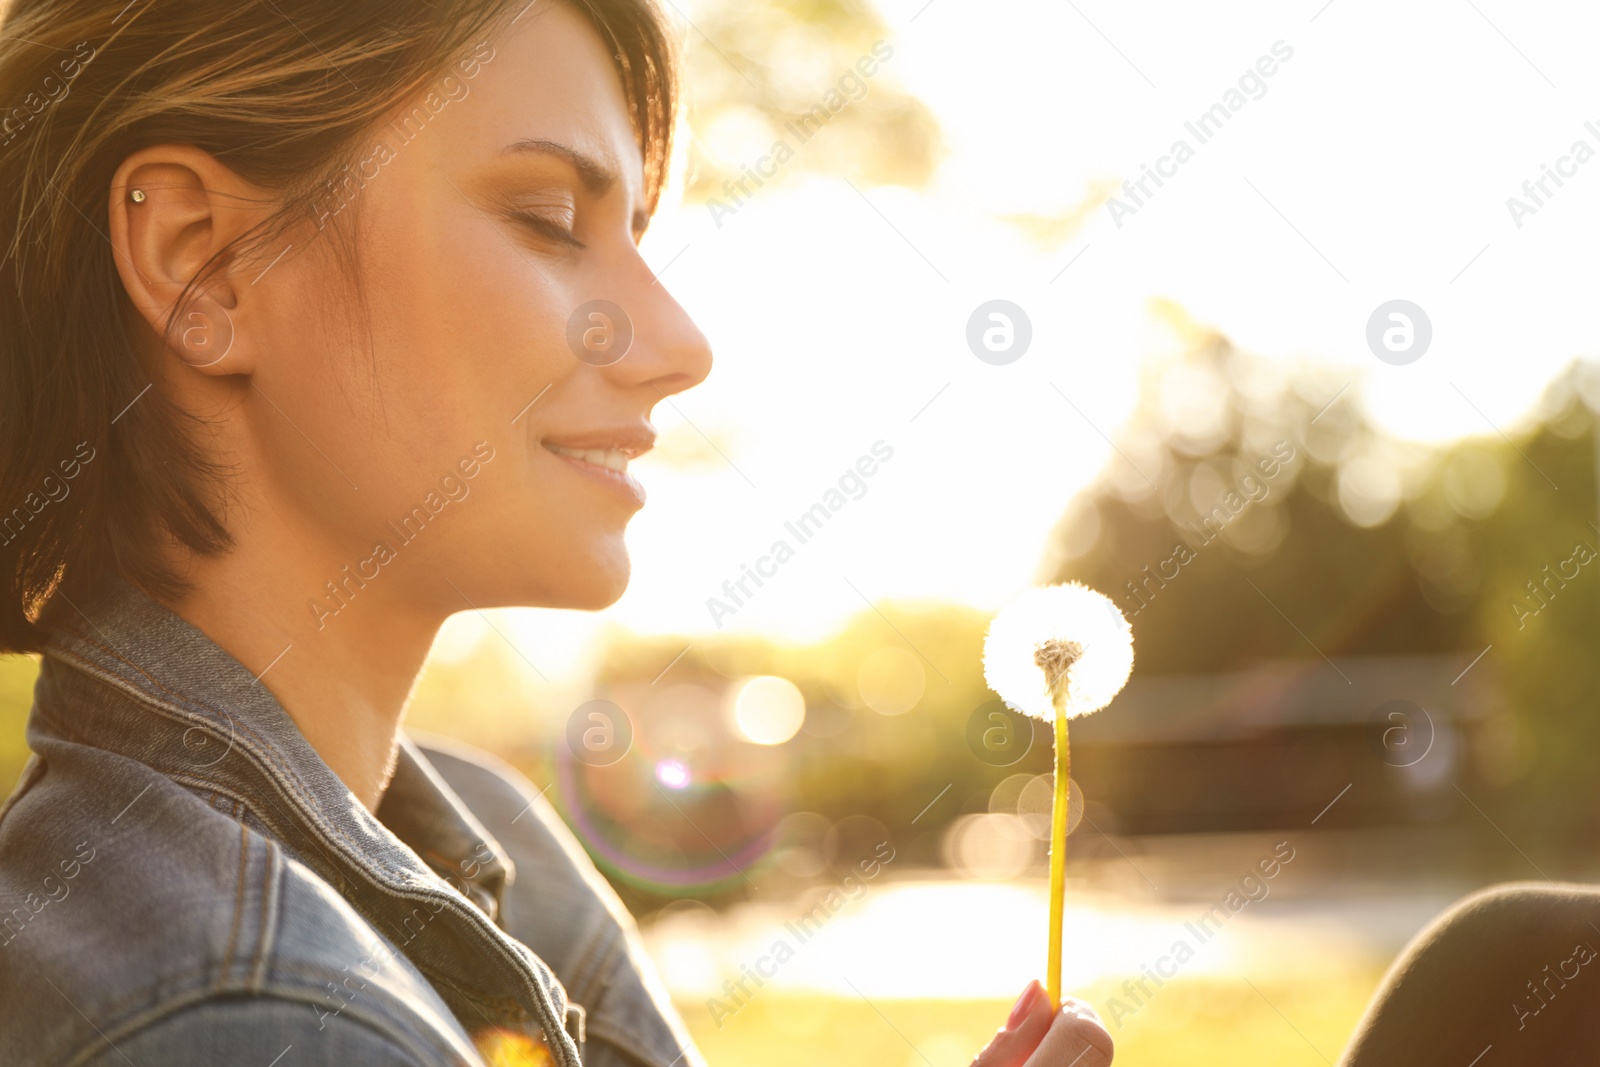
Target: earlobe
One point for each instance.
(205, 338)
(171, 217)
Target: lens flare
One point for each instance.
(673, 774)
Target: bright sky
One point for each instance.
(1376, 165)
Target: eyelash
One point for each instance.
(553, 230)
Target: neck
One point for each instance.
(343, 675)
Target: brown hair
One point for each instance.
(97, 469)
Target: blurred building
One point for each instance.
(1389, 737)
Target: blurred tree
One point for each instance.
(1222, 551)
(798, 85)
(1256, 515)
(1539, 553)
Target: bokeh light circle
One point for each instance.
(768, 710)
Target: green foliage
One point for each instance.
(1361, 546)
(1277, 567)
(752, 69)
(1553, 741)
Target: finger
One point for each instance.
(1077, 1006)
(1016, 1040)
(1075, 1039)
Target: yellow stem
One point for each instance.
(1058, 857)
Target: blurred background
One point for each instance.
(1361, 576)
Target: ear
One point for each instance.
(191, 209)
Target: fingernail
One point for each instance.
(1024, 1003)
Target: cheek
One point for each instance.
(468, 327)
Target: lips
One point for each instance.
(629, 441)
(604, 453)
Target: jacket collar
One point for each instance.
(423, 811)
(423, 870)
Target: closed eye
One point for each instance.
(547, 227)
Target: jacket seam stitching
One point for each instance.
(238, 905)
(144, 1021)
(269, 898)
(177, 702)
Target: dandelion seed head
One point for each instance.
(1065, 636)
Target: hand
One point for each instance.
(1034, 1036)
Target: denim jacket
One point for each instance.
(183, 881)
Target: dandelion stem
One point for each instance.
(1058, 853)
(1055, 657)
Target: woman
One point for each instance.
(322, 323)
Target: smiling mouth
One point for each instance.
(612, 459)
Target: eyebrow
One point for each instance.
(599, 176)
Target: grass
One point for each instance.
(1189, 1023)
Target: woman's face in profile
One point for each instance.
(496, 210)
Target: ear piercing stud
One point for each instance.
(137, 196)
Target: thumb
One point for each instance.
(1015, 1041)
(1075, 1039)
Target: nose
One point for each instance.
(668, 351)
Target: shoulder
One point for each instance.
(126, 898)
(262, 1030)
(561, 907)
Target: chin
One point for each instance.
(590, 585)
